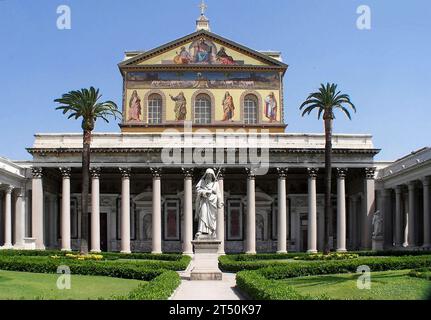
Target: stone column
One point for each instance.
(157, 211)
(20, 218)
(65, 210)
(125, 210)
(412, 215)
(95, 209)
(188, 212)
(341, 210)
(282, 212)
(312, 210)
(220, 215)
(398, 217)
(387, 218)
(37, 208)
(250, 247)
(369, 207)
(427, 213)
(8, 218)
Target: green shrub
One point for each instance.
(160, 288)
(424, 273)
(331, 256)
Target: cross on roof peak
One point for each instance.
(203, 7)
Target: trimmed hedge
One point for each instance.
(262, 284)
(160, 288)
(174, 262)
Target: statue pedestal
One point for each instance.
(205, 260)
(378, 244)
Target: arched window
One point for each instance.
(155, 109)
(250, 109)
(202, 109)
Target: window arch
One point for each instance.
(155, 103)
(202, 109)
(250, 109)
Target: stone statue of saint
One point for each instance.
(377, 224)
(208, 201)
(180, 106)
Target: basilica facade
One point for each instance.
(200, 102)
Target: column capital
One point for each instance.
(37, 172)
(399, 190)
(426, 181)
(125, 172)
(282, 172)
(95, 172)
(411, 185)
(188, 172)
(65, 172)
(9, 188)
(342, 172)
(312, 172)
(251, 173)
(156, 172)
(370, 173)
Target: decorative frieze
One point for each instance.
(37, 173)
(65, 172)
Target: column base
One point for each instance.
(96, 251)
(250, 252)
(125, 251)
(66, 250)
(190, 254)
(341, 250)
(312, 251)
(282, 252)
(426, 246)
(156, 252)
(7, 247)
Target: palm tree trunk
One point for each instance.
(85, 190)
(328, 181)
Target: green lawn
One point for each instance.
(30, 286)
(389, 285)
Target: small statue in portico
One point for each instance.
(180, 106)
(208, 201)
(377, 224)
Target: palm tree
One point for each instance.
(85, 104)
(326, 101)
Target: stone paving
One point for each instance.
(207, 290)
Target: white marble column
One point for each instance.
(412, 214)
(125, 210)
(427, 213)
(388, 234)
(282, 212)
(369, 208)
(37, 208)
(95, 210)
(312, 210)
(20, 218)
(188, 212)
(220, 215)
(8, 218)
(341, 209)
(250, 247)
(65, 210)
(157, 211)
(398, 217)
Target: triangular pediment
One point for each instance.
(202, 48)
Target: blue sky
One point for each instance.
(386, 70)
